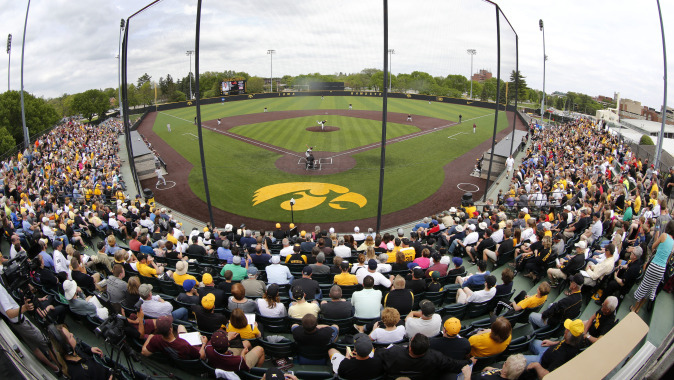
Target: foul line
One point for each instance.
(239, 137)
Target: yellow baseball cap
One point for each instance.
(208, 302)
(207, 279)
(278, 225)
(576, 327)
(452, 326)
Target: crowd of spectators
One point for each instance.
(582, 214)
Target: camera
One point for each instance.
(17, 272)
(112, 330)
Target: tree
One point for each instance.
(521, 85)
(646, 140)
(255, 85)
(457, 82)
(143, 79)
(145, 94)
(7, 142)
(91, 102)
(40, 115)
(178, 96)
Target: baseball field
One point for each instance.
(255, 158)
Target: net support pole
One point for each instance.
(26, 134)
(517, 86)
(125, 107)
(197, 99)
(498, 95)
(658, 151)
(382, 163)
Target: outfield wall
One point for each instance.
(285, 94)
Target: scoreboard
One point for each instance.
(233, 87)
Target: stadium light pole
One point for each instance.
(472, 53)
(9, 58)
(26, 135)
(390, 76)
(271, 52)
(545, 58)
(189, 53)
(658, 151)
(119, 67)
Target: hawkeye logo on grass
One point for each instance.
(309, 195)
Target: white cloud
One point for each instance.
(595, 47)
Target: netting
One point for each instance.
(280, 77)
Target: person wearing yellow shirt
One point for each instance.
(148, 268)
(345, 278)
(534, 301)
(239, 323)
(181, 275)
(491, 341)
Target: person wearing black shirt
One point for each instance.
(226, 286)
(568, 307)
(602, 322)
(209, 287)
(336, 307)
(625, 276)
(416, 282)
(195, 249)
(580, 225)
(414, 243)
(400, 298)
(79, 357)
(417, 361)
(357, 364)
(261, 260)
(513, 368)
(505, 246)
(279, 234)
(311, 334)
(549, 355)
(309, 286)
(207, 319)
(450, 343)
(485, 242)
(568, 266)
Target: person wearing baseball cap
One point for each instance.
(207, 319)
(359, 363)
(371, 270)
(451, 344)
(180, 275)
(311, 288)
(209, 287)
(278, 233)
(567, 307)
(221, 356)
(164, 340)
(568, 266)
(548, 355)
(300, 307)
(189, 295)
(296, 257)
(254, 287)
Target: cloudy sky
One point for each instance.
(596, 47)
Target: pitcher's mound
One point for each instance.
(327, 128)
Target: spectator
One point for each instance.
(655, 271)
(226, 286)
(155, 306)
(568, 266)
(115, 285)
(341, 249)
(437, 266)
(337, 307)
(345, 278)
(221, 356)
(416, 282)
(491, 341)
(399, 298)
(209, 288)
(238, 272)
(132, 295)
(277, 273)
(391, 332)
(270, 304)
(320, 267)
(465, 295)
(78, 356)
(79, 304)
(418, 361)
(367, 302)
(371, 271)
(181, 275)
(566, 308)
(357, 364)
(311, 335)
(300, 307)
(602, 321)
(513, 368)
(253, 286)
(296, 257)
(522, 301)
(477, 279)
(425, 321)
(238, 323)
(175, 347)
(507, 277)
(451, 344)
(189, 295)
(207, 319)
(310, 287)
(625, 275)
(548, 355)
(238, 300)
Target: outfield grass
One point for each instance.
(236, 169)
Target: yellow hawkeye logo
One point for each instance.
(309, 195)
